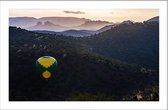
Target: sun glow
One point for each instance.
(112, 15)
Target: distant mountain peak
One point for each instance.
(39, 23)
(93, 25)
(128, 22)
(96, 22)
(154, 19)
(105, 28)
(48, 23)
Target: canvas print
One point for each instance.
(83, 54)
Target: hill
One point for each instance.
(93, 25)
(82, 73)
(73, 33)
(154, 19)
(135, 43)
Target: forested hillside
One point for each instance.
(136, 43)
(118, 64)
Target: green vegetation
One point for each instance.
(87, 69)
(137, 44)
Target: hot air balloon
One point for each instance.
(46, 66)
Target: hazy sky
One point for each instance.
(112, 15)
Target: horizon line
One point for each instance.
(75, 17)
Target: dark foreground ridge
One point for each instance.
(118, 64)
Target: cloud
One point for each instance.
(74, 12)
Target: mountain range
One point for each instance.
(77, 33)
(67, 26)
(31, 21)
(56, 24)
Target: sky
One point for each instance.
(111, 15)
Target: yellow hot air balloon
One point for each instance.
(46, 65)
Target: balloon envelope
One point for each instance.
(46, 65)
